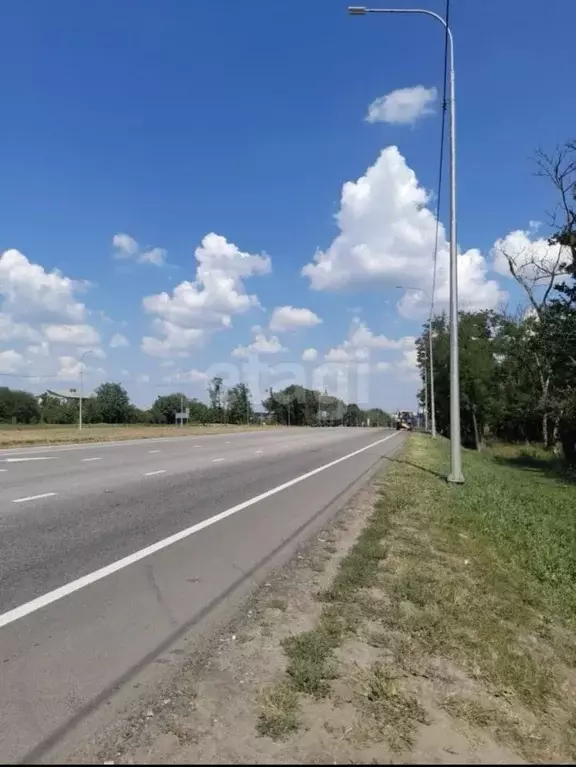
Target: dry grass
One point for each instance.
(23, 436)
(479, 579)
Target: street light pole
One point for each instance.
(455, 475)
(82, 387)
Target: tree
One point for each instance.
(215, 395)
(478, 335)
(239, 404)
(353, 416)
(165, 407)
(113, 403)
(18, 406)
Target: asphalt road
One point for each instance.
(114, 555)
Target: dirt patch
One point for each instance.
(394, 637)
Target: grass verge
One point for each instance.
(23, 436)
(459, 600)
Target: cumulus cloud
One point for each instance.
(195, 309)
(10, 330)
(387, 235)
(261, 344)
(309, 355)
(286, 318)
(28, 290)
(41, 309)
(361, 340)
(403, 106)
(11, 361)
(533, 258)
(74, 335)
(175, 341)
(118, 340)
(186, 376)
(126, 248)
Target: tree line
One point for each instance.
(518, 371)
(110, 404)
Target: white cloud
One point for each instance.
(176, 341)
(533, 258)
(209, 302)
(361, 340)
(16, 331)
(95, 352)
(74, 335)
(126, 247)
(118, 340)
(403, 106)
(11, 361)
(28, 289)
(186, 376)
(285, 318)
(70, 368)
(156, 256)
(408, 365)
(387, 235)
(261, 345)
(310, 355)
(40, 350)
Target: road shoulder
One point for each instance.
(397, 635)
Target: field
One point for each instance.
(23, 436)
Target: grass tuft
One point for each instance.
(279, 714)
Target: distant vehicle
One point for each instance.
(404, 420)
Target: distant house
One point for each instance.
(70, 395)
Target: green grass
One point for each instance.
(522, 502)
(481, 577)
(21, 435)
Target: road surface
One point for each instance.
(114, 555)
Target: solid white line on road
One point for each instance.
(33, 498)
(150, 473)
(32, 458)
(153, 451)
(217, 460)
(197, 445)
(3, 469)
(69, 588)
(92, 459)
(228, 442)
(258, 451)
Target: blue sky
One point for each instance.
(168, 121)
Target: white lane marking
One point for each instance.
(3, 469)
(33, 497)
(87, 580)
(197, 445)
(92, 459)
(217, 460)
(153, 451)
(151, 473)
(32, 458)
(258, 451)
(228, 442)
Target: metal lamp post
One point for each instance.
(82, 386)
(455, 475)
(430, 360)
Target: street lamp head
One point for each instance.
(355, 10)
